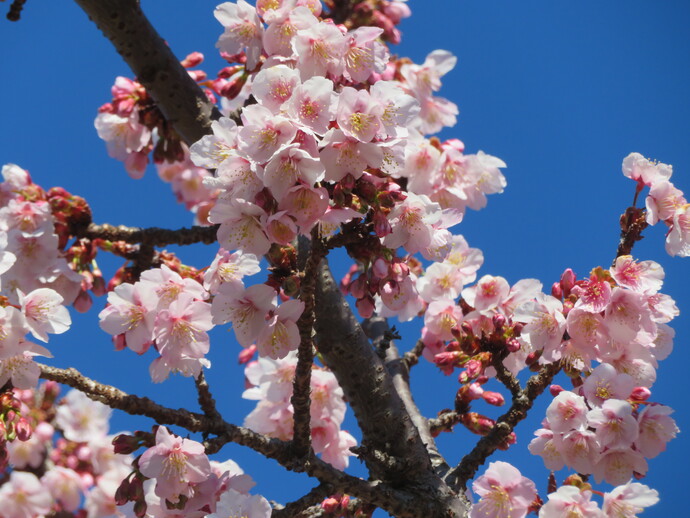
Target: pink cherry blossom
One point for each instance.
(662, 202)
(181, 329)
(628, 500)
(628, 317)
(487, 294)
(678, 238)
(615, 425)
(289, 165)
(616, 466)
(594, 295)
(229, 268)
(283, 25)
(411, 222)
(82, 419)
(240, 226)
(320, 49)
(263, 133)
(580, 449)
(365, 53)
(358, 115)
(636, 167)
(544, 445)
(605, 383)
(344, 155)
(656, 428)
(545, 322)
(306, 204)
(442, 317)
(566, 412)
(27, 454)
(132, 312)
(124, 137)
(66, 487)
(503, 491)
(274, 86)
(243, 30)
(246, 309)
(570, 501)
(21, 369)
(24, 496)
(175, 463)
(233, 503)
(279, 335)
(313, 104)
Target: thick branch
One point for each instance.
(182, 102)
(376, 328)
(152, 236)
(387, 430)
(505, 424)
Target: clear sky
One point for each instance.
(561, 91)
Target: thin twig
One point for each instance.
(16, 10)
(301, 397)
(206, 401)
(632, 222)
(411, 358)
(298, 507)
(506, 377)
(444, 422)
(505, 424)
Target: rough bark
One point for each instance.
(179, 98)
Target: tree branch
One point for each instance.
(182, 102)
(206, 401)
(298, 507)
(387, 429)
(444, 422)
(152, 236)
(376, 328)
(301, 398)
(505, 424)
(633, 222)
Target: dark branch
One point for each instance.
(411, 358)
(152, 236)
(633, 222)
(444, 422)
(301, 399)
(298, 507)
(16, 10)
(206, 401)
(182, 102)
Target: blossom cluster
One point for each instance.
(271, 386)
(36, 281)
(664, 202)
(176, 477)
(167, 311)
(608, 431)
(66, 463)
(504, 492)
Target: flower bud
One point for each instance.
(556, 290)
(554, 390)
(192, 60)
(23, 429)
(640, 394)
(365, 306)
(125, 444)
(330, 505)
(246, 354)
(568, 279)
(493, 398)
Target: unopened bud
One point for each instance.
(640, 394)
(493, 398)
(554, 390)
(192, 60)
(365, 306)
(125, 444)
(568, 281)
(246, 354)
(513, 345)
(122, 492)
(556, 290)
(330, 505)
(23, 429)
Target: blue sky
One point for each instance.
(562, 92)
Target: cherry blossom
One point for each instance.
(175, 463)
(504, 492)
(23, 496)
(626, 501)
(80, 418)
(572, 502)
(242, 29)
